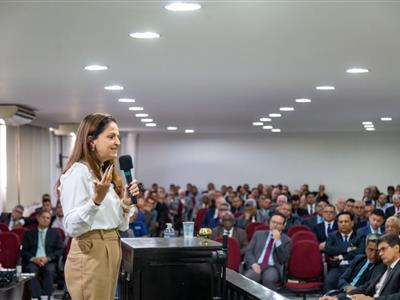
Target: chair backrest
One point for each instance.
(251, 228)
(304, 236)
(295, 228)
(61, 233)
(199, 219)
(4, 227)
(9, 249)
(20, 231)
(234, 256)
(305, 261)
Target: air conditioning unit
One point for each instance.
(15, 115)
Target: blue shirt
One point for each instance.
(41, 245)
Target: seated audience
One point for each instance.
(268, 252)
(251, 214)
(311, 204)
(41, 249)
(286, 210)
(317, 217)
(14, 219)
(340, 205)
(266, 206)
(392, 225)
(227, 227)
(383, 203)
(211, 218)
(321, 193)
(58, 221)
(323, 229)
(237, 205)
(296, 209)
(395, 209)
(349, 206)
(341, 247)
(375, 223)
(359, 214)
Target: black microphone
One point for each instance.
(125, 164)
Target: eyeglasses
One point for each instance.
(276, 223)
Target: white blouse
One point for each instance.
(81, 214)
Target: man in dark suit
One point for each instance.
(268, 252)
(395, 209)
(41, 250)
(323, 229)
(341, 247)
(375, 223)
(296, 209)
(385, 282)
(13, 219)
(227, 228)
(362, 266)
(317, 217)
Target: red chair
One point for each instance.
(304, 236)
(199, 218)
(20, 231)
(61, 233)
(251, 228)
(295, 228)
(4, 227)
(234, 256)
(305, 269)
(9, 249)
(237, 214)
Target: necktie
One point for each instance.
(311, 209)
(41, 237)
(346, 241)
(329, 229)
(389, 272)
(359, 274)
(267, 254)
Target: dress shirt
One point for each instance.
(41, 244)
(228, 232)
(271, 257)
(81, 214)
(377, 231)
(12, 223)
(379, 285)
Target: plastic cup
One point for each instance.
(188, 229)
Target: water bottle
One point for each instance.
(169, 231)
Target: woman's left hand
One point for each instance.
(131, 189)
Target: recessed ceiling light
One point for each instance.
(142, 115)
(369, 126)
(275, 115)
(181, 6)
(367, 123)
(189, 131)
(145, 35)
(325, 88)
(357, 70)
(151, 124)
(136, 108)
(303, 100)
(265, 120)
(286, 109)
(267, 127)
(172, 128)
(126, 100)
(114, 88)
(276, 130)
(386, 119)
(146, 120)
(96, 68)
(370, 129)
(258, 123)
(51, 129)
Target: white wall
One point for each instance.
(345, 162)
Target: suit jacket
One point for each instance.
(5, 218)
(280, 254)
(311, 222)
(300, 211)
(53, 245)
(242, 222)
(390, 211)
(238, 234)
(364, 231)
(319, 231)
(358, 262)
(391, 288)
(335, 246)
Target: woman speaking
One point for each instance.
(95, 207)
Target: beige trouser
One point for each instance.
(91, 270)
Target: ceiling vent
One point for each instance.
(16, 115)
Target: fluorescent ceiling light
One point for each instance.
(325, 88)
(370, 129)
(275, 115)
(265, 120)
(189, 131)
(136, 108)
(126, 100)
(386, 119)
(369, 126)
(172, 128)
(286, 109)
(258, 123)
(267, 127)
(182, 6)
(145, 35)
(276, 130)
(303, 100)
(357, 70)
(367, 123)
(141, 115)
(151, 124)
(96, 68)
(146, 120)
(114, 88)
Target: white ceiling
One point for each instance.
(215, 70)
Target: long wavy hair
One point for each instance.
(89, 129)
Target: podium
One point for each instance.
(171, 268)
